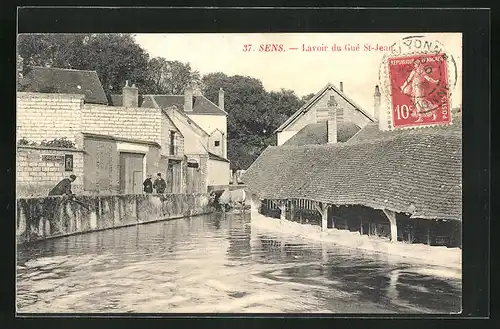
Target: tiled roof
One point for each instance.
(419, 169)
(313, 99)
(371, 131)
(64, 81)
(317, 133)
(201, 105)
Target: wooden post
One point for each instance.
(292, 210)
(323, 210)
(428, 235)
(394, 228)
(361, 225)
(282, 206)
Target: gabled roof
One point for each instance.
(64, 81)
(420, 170)
(201, 105)
(213, 156)
(313, 99)
(181, 115)
(317, 133)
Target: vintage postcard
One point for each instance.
(258, 173)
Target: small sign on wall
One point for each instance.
(68, 162)
(55, 158)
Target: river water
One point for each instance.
(221, 264)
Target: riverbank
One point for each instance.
(50, 217)
(449, 258)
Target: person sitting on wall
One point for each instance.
(63, 187)
(159, 184)
(148, 185)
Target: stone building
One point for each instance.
(204, 127)
(308, 125)
(111, 148)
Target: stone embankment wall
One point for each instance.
(42, 218)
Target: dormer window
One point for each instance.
(217, 143)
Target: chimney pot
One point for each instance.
(188, 99)
(130, 95)
(341, 86)
(332, 121)
(221, 98)
(376, 108)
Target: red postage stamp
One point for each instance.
(419, 89)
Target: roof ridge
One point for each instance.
(61, 68)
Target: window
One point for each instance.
(172, 142)
(217, 143)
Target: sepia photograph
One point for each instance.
(239, 173)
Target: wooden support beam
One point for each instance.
(292, 210)
(318, 206)
(324, 219)
(391, 215)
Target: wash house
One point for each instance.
(402, 185)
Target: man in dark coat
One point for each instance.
(148, 185)
(159, 184)
(63, 187)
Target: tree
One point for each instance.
(116, 57)
(170, 77)
(307, 97)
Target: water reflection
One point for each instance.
(219, 263)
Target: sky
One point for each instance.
(302, 71)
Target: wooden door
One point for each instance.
(137, 182)
(169, 177)
(131, 173)
(176, 176)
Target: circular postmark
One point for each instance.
(417, 77)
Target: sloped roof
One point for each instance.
(201, 105)
(371, 131)
(313, 99)
(213, 156)
(120, 139)
(422, 169)
(317, 133)
(64, 81)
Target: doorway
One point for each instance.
(131, 172)
(174, 176)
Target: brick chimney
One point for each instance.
(332, 121)
(130, 95)
(341, 86)
(188, 99)
(221, 98)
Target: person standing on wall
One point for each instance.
(148, 185)
(63, 187)
(159, 184)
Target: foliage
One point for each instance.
(59, 142)
(116, 57)
(62, 142)
(170, 77)
(26, 142)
